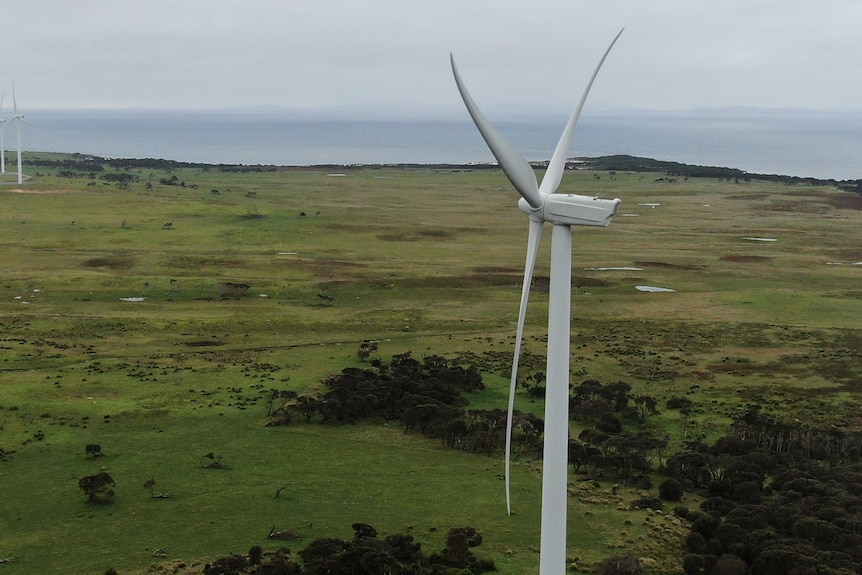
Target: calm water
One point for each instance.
(823, 145)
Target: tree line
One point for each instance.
(366, 553)
(779, 500)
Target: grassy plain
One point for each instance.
(419, 259)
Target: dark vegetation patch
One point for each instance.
(415, 235)
(742, 259)
(425, 396)
(678, 169)
(235, 290)
(496, 270)
(851, 199)
(842, 366)
(435, 234)
(780, 498)
(204, 343)
(328, 264)
(669, 266)
(429, 397)
(749, 197)
(192, 261)
(543, 283)
(847, 201)
(743, 366)
(505, 277)
(113, 262)
(850, 253)
(852, 294)
(460, 282)
(788, 205)
(366, 553)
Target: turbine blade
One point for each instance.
(14, 100)
(554, 173)
(516, 168)
(535, 235)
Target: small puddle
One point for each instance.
(654, 289)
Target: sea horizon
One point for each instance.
(802, 143)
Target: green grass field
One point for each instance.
(419, 259)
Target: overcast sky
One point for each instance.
(514, 56)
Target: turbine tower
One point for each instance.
(18, 118)
(2, 131)
(542, 205)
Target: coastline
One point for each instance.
(791, 142)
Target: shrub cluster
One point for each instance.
(773, 507)
(366, 553)
(424, 396)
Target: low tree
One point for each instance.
(366, 348)
(459, 540)
(729, 564)
(670, 490)
(94, 450)
(99, 487)
(646, 405)
(693, 564)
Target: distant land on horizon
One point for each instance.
(823, 145)
(383, 112)
(612, 163)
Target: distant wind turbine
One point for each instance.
(19, 119)
(2, 131)
(542, 205)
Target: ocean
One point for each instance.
(791, 142)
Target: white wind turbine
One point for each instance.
(2, 131)
(542, 205)
(19, 119)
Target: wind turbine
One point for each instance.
(542, 205)
(2, 130)
(19, 118)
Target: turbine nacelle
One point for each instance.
(573, 210)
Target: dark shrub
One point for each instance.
(681, 511)
(625, 564)
(692, 564)
(695, 543)
(646, 503)
(670, 490)
(705, 525)
(681, 403)
(729, 565)
(609, 424)
(718, 505)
